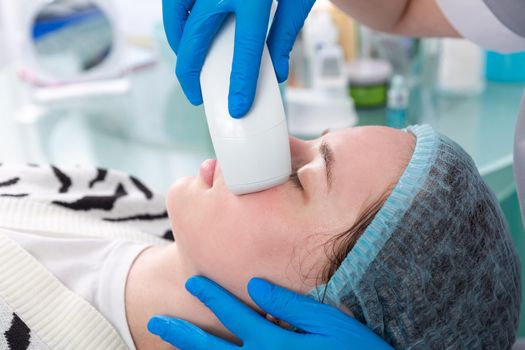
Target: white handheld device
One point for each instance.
(253, 152)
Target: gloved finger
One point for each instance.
(240, 319)
(185, 336)
(250, 37)
(199, 32)
(298, 310)
(175, 13)
(287, 23)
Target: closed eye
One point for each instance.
(295, 180)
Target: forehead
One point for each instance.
(368, 161)
(365, 144)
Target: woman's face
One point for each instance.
(279, 234)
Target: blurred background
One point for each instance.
(92, 82)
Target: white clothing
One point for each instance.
(495, 25)
(40, 313)
(79, 230)
(95, 269)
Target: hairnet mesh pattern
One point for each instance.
(436, 269)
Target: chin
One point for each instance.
(187, 202)
(179, 195)
(179, 188)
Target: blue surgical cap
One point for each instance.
(436, 268)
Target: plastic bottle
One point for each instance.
(398, 100)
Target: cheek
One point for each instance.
(190, 214)
(232, 239)
(178, 194)
(245, 235)
(262, 249)
(240, 226)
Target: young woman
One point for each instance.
(384, 224)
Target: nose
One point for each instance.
(295, 146)
(298, 151)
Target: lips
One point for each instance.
(207, 171)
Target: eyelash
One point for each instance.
(295, 179)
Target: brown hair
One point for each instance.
(338, 246)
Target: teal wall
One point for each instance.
(512, 212)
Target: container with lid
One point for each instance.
(368, 82)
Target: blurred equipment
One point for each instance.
(320, 101)
(347, 29)
(72, 38)
(509, 68)
(253, 152)
(402, 52)
(70, 49)
(3, 42)
(311, 112)
(460, 69)
(398, 102)
(327, 56)
(69, 41)
(369, 77)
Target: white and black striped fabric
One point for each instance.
(14, 333)
(110, 196)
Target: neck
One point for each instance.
(155, 286)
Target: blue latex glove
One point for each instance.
(191, 26)
(325, 327)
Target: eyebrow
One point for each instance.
(328, 156)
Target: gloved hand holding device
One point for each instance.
(191, 26)
(324, 326)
